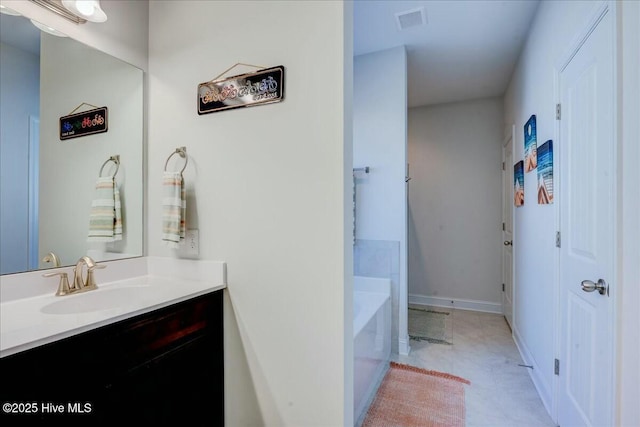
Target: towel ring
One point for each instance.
(115, 159)
(182, 151)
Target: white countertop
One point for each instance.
(40, 319)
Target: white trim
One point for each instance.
(33, 259)
(599, 12)
(403, 346)
(538, 381)
(510, 135)
(557, 195)
(458, 303)
(628, 298)
(403, 292)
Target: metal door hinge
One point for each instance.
(502, 165)
(558, 112)
(503, 287)
(503, 226)
(556, 367)
(557, 239)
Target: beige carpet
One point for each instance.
(414, 397)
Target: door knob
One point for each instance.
(601, 286)
(508, 242)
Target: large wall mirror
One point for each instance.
(47, 185)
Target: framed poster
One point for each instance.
(545, 173)
(85, 123)
(530, 149)
(245, 90)
(518, 183)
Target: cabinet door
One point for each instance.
(164, 367)
(182, 386)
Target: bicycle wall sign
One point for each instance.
(83, 124)
(245, 90)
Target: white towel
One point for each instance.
(173, 209)
(105, 218)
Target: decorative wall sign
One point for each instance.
(83, 124)
(518, 183)
(530, 149)
(244, 90)
(545, 173)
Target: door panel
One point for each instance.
(507, 234)
(587, 208)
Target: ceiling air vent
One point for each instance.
(411, 18)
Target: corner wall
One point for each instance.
(380, 142)
(455, 204)
(266, 189)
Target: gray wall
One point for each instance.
(455, 202)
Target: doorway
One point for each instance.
(507, 227)
(585, 364)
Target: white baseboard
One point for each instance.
(462, 304)
(403, 346)
(535, 373)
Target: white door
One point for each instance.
(587, 215)
(507, 229)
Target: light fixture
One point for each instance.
(86, 9)
(47, 29)
(4, 9)
(77, 11)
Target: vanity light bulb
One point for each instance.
(85, 7)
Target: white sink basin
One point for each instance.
(96, 300)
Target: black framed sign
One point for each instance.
(83, 124)
(245, 90)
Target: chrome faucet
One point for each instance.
(78, 285)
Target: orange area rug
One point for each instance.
(410, 396)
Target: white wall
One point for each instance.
(455, 210)
(19, 95)
(380, 142)
(73, 73)
(266, 190)
(531, 91)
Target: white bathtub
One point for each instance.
(371, 336)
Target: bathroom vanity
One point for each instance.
(147, 349)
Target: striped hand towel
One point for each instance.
(105, 218)
(173, 209)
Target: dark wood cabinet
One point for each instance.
(165, 367)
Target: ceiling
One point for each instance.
(467, 50)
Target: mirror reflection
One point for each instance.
(54, 207)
